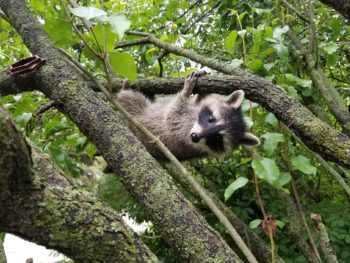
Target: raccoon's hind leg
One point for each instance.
(190, 83)
(133, 102)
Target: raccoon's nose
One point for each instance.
(194, 137)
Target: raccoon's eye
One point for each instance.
(211, 119)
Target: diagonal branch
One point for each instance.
(326, 88)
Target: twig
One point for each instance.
(324, 239)
(141, 41)
(164, 54)
(45, 107)
(201, 17)
(300, 15)
(287, 162)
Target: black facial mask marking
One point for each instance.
(235, 125)
(215, 143)
(204, 115)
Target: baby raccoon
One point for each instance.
(207, 126)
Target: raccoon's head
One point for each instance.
(220, 126)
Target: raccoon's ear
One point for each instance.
(249, 139)
(235, 99)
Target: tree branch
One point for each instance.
(50, 211)
(317, 135)
(321, 82)
(341, 6)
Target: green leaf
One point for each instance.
(255, 65)
(231, 41)
(171, 9)
(283, 179)
(332, 59)
(282, 50)
(88, 12)
(301, 82)
(236, 63)
(237, 184)
(104, 31)
(271, 119)
(124, 64)
(119, 24)
(63, 160)
(329, 48)
(24, 118)
(279, 31)
(60, 31)
(266, 169)
(260, 11)
(255, 223)
(303, 164)
(280, 224)
(242, 15)
(271, 141)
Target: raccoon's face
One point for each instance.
(220, 126)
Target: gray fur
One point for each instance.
(172, 119)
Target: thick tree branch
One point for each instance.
(15, 161)
(177, 220)
(320, 137)
(49, 209)
(341, 6)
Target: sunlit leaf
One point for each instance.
(303, 164)
(255, 223)
(329, 47)
(119, 24)
(124, 64)
(231, 41)
(237, 184)
(266, 169)
(279, 31)
(236, 63)
(255, 65)
(283, 179)
(87, 12)
(104, 34)
(271, 141)
(305, 83)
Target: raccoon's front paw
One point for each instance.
(190, 82)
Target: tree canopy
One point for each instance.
(286, 200)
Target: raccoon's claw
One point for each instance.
(200, 73)
(190, 82)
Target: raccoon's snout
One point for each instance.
(194, 137)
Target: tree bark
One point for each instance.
(320, 137)
(341, 6)
(43, 206)
(175, 217)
